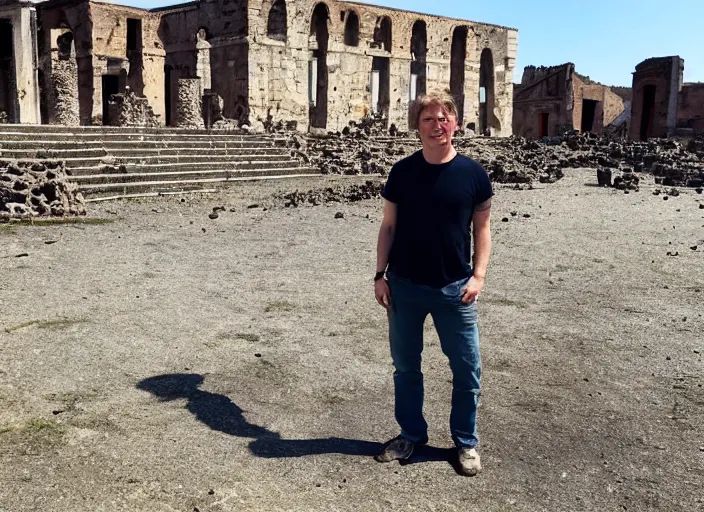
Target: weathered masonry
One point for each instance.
(311, 64)
(662, 103)
(552, 100)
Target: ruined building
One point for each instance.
(662, 103)
(309, 63)
(552, 100)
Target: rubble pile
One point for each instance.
(510, 160)
(37, 188)
(356, 153)
(360, 150)
(671, 162)
(128, 109)
(339, 194)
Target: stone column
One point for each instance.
(189, 107)
(26, 70)
(203, 60)
(64, 84)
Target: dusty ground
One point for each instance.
(165, 361)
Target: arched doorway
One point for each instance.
(457, 64)
(647, 116)
(419, 50)
(318, 68)
(486, 93)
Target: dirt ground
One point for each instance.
(166, 361)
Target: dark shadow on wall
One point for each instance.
(222, 414)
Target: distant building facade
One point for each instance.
(318, 65)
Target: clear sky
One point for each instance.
(604, 38)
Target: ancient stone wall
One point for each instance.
(141, 66)
(608, 108)
(55, 20)
(350, 65)
(262, 73)
(656, 85)
(217, 33)
(690, 112)
(614, 106)
(544, 91)
(559, 92)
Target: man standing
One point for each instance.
(422, 268)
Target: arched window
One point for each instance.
(382, 34)
(276, 25)
(352, 29)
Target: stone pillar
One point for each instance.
(64, 84)
(189, 108)
(203, 60)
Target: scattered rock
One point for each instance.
(603, 177)
(213, 215)
(339, 215)
(339, 194)
(368, 148)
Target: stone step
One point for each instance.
(14, 138)
(93, 190)
(111, 196)
(81, 173)
(97, 152)
(134, 145)
(47, 128)
(116, 179)
(78, 164)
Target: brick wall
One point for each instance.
(690, 113)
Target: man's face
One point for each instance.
(436, 127)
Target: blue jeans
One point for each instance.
(456, 325)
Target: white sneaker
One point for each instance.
(470, 463)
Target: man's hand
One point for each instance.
(473, 289)
(382, 293)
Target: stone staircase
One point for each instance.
(112, 163)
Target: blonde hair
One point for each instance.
(443, 98)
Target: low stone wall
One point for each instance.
(37, 188)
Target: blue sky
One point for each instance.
(604, 38)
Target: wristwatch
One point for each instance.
(379, 275)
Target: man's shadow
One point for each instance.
(222, 414)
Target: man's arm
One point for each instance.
(482, 248)
(386, 236)
(482, 238)
(383, 247)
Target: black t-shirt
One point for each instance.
(435, 204)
